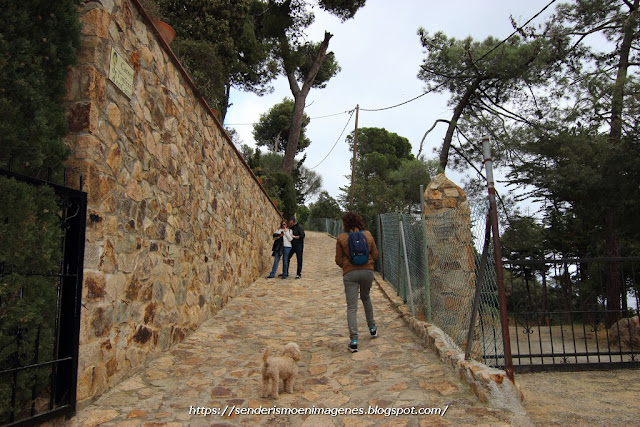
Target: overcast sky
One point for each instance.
(380, 55)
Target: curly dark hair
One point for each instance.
(351, 221)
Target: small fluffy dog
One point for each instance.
(280, 367)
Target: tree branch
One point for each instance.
(457, 112)
(427, 133)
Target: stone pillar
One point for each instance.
(451, 257)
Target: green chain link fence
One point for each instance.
(488, 324)
(445, 299)
(327, 225)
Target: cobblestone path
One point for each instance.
(218, 366)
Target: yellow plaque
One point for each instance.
(121, 73)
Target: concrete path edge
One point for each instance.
(490, 385)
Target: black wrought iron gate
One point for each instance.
(39, 353)
(573, 314)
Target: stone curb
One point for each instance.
(489, 384)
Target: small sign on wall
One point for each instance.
(121, 73)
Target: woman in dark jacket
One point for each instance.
(279, 247)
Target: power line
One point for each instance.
(311, 118)
(516, 31)
(337, 140)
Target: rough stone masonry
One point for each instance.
(177, 223)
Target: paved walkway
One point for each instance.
(218, 366)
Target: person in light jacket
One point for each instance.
(282, 238)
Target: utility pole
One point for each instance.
(355, 151)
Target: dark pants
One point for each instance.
(297, 249)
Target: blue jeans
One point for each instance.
(285, 263)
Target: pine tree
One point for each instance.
(38, 42)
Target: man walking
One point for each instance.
(297, 244)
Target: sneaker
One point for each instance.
(353, 346)
(298, 276)
(270, 277)
(374, 332)
(280, 275)
(284, 277)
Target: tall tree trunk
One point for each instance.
(615, 136)
(225, 105)
(300, 97)
(462, 104)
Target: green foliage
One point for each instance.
(304, 58)
(280, 188)
(32, 239)
(208, 68)
(407, 179)
(484, 81)
(325, 207)
(244, 44)
(307, 182)
(302, 214)
(341, 8)
(221, 44)
(38, 42)
(273, 128)
(501, 73)
(381, 149)
(387, 177)
(523, 239)
(582, 178)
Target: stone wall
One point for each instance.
(177, 223)
(451, 258)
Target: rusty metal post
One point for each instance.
(355, 151)
(497, 251)
(427, 286)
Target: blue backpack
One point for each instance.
(358, 248)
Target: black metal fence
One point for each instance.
(41, 314)
(574, 313)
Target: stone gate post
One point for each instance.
(451, 257)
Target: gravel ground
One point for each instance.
(595, 398)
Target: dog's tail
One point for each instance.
(265, 355)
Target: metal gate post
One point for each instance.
(497, 249)
(427, 286)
